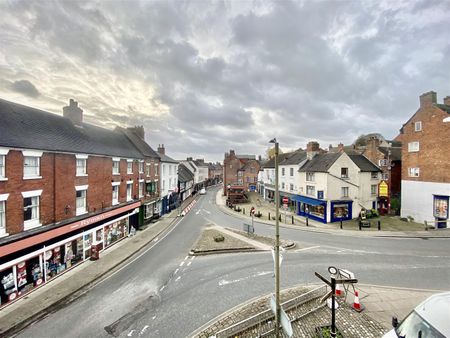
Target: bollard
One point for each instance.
(379, 225)
(279, 218)
(269, 216)
(426, 225)
(306, 221)
(359, 223)
(292, 219)
(243, 211)
(341, 224)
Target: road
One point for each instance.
(166, 293)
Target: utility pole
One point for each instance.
(277, 244)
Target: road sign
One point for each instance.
(284, 319)
(249, 228)
(285, 206)
(285, 200)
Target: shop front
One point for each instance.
(310, 207)
(49, 258)
(341, 210)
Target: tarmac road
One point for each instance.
(166, 293)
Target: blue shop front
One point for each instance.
(322, 210)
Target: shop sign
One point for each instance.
(440, 207)
(383, 189)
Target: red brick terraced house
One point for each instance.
(68, 190)
(240, 171)
(426, 161)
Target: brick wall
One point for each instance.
(58, 183)
(433, 157)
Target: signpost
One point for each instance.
(332, 283)
(249, 228)
(285, 206)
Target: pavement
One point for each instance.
(381, 303)
(267, 208)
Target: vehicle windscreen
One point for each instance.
(412, 325)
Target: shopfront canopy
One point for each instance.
(307, 200)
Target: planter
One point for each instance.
(325, 332)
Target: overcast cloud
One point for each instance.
(204, 77)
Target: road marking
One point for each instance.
(192, 258)
(144, 329)
(153, 317)
(207, 212)
(189, 263)
(226, 282)
(182, 263)
(162, 288)
(178, 278)
(176, 271)
(308, 248)
(198, 211)
(130, 333)
(186, 257)
(156, 239)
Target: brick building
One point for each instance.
(240, 171)
(67, 190)
(426, 161)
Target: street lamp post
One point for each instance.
(277, 244)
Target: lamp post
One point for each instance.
(277, 245)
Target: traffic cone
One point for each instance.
(356, 305)
(338, 291)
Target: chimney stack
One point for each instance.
(73, 112)
(139, 131)
(341, 147)
(447, 100)
(312, 149)
(427, 99)
(161, 149)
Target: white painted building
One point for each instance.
(168, 181)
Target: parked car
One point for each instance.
(430, 319)
(202, 191)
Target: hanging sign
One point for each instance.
(383, 189)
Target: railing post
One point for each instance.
(359, 225)
(269, 216)
(292, 219)
(426, 225)
(341, 224)
(379, 225)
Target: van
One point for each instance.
(430, 319)
(202, 191)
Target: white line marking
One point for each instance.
(225, 282)
(144, 328)
(186, 257)
(189, 263)
(130, 333)
(176, 271)
(178, 278)
(308, 248)
(156, 239)
(192, 258)
(162, 288)
(182, 263)
(198, 211)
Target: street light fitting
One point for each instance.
(274, 140)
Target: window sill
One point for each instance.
(4, 234)
(129, 173)
(81, 175)
(115, 203)
(116, 173)
(31, 225)
(3, 179)
(81, 212)
(32, 177)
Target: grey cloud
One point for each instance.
(25, 87)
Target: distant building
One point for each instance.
(215, 173)
(240, 171)
(425, 141)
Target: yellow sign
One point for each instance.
(383, 189)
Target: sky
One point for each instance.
(204, 77)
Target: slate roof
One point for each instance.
(444, 107)
(320, 162)
(363, 163)
(139, 143)
(30, 128)
(396, 153)
(165, 158)
(271, 162)
(246, 157)
(184, 174)
(295, 158)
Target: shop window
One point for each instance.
(8, 290)
(2, 166)
(413, 146)
(81, 202)
(115, 195)
(310, 177)
(31, 211)
(317, 210)
(414, 172)
(129, 191)
(344, 172)
(418, 126)
(87, 245)
(115, 232)
(31, 166)
(115, 167)
(340, 211)
(373, 189)
(344, 191)
(310, 190)
(129, 167)
(58, 259)
(374, 175)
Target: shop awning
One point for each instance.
(307, 200)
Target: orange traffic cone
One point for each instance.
(356, 305)
(338, 291)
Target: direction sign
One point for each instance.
(284, 319)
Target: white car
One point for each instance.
(202, 191)
(430, 319)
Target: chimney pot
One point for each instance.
(427, 99)
(447, 100)
(73, 112)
